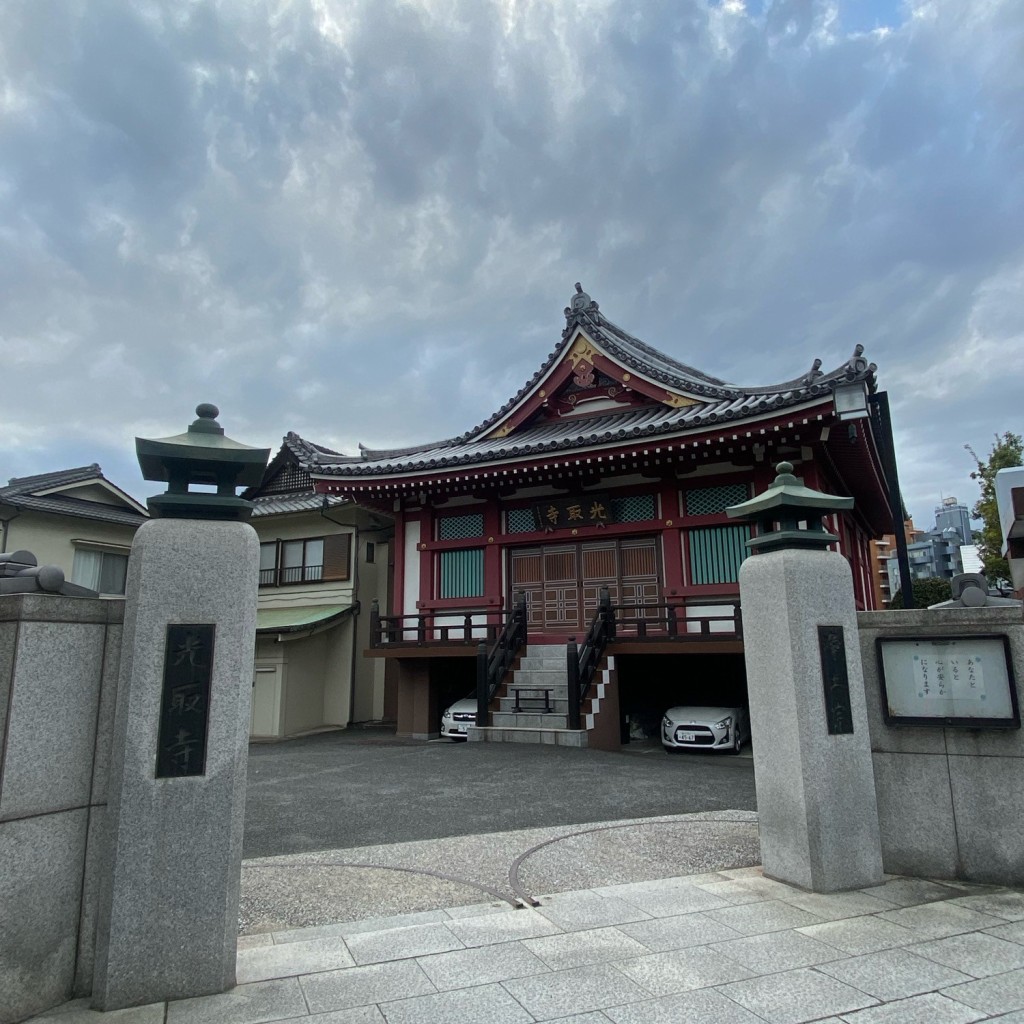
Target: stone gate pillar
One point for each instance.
(168, 908)
(817, 812)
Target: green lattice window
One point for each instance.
(520, 520)
(716, 553)
(462, 573)
(635, 509)
(461, 527)
(706, 501)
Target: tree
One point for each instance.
(1007, 452)
(928, 591)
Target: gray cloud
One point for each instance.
(361, 220)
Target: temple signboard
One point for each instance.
(185, 700)
(566, 513)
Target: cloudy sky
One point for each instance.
(361, 219)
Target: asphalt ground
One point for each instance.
(364, 787)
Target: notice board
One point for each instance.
(959, 681)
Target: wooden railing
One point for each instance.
(451, 626)
(581, 663)
(664, 620)
(491, 665)
(678, 620)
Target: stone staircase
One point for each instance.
(542, 717)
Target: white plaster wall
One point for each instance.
(411, 587)
(457, 622)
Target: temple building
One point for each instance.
(603, 484)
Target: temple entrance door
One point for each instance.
(563, 582)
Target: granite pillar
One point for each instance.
(812, 763)
(168, 909)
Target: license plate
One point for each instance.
(460, 728)
(687, 737)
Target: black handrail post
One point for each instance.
(607, 614)
(482, 695)
(572, 665)
(375, 636)
(421, 629)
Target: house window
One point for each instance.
(302, 561)
(102, 571)
(462, 573)
(371, 551)
(309, 560)
(268, 564)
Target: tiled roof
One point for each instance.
(21, 493)
(78, 508)
(295, 453)
(716, 402)
(303, 449)
(44, 481)
(278, 504)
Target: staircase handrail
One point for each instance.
(581, 664)
(492, 665)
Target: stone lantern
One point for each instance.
(202, 455)
(788, 515)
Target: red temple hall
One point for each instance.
(578, 540)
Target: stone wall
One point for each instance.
(950, 801)
(58, 680)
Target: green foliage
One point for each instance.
(1007, 452)
(926, 592)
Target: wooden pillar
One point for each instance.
(671, 539)
(419, 716)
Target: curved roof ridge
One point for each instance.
(718, 400)
(55, 478)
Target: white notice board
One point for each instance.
(953, 680)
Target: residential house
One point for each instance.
(75, 519)
(323, 560)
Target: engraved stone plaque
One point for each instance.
(185, 701)
(834, 677)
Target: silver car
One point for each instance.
(704, 728)
(458, 718)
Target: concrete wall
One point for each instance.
(58, 680)
(950, 801)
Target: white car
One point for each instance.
(703, 728)
(458, 718)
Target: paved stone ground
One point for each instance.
(721, 947)
(365, 788)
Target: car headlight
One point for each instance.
(447, 714)
(666, 722)
(724, 723)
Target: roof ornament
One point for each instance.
(857, 366)
(20, 573)
(581, 303)
(813, 373)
